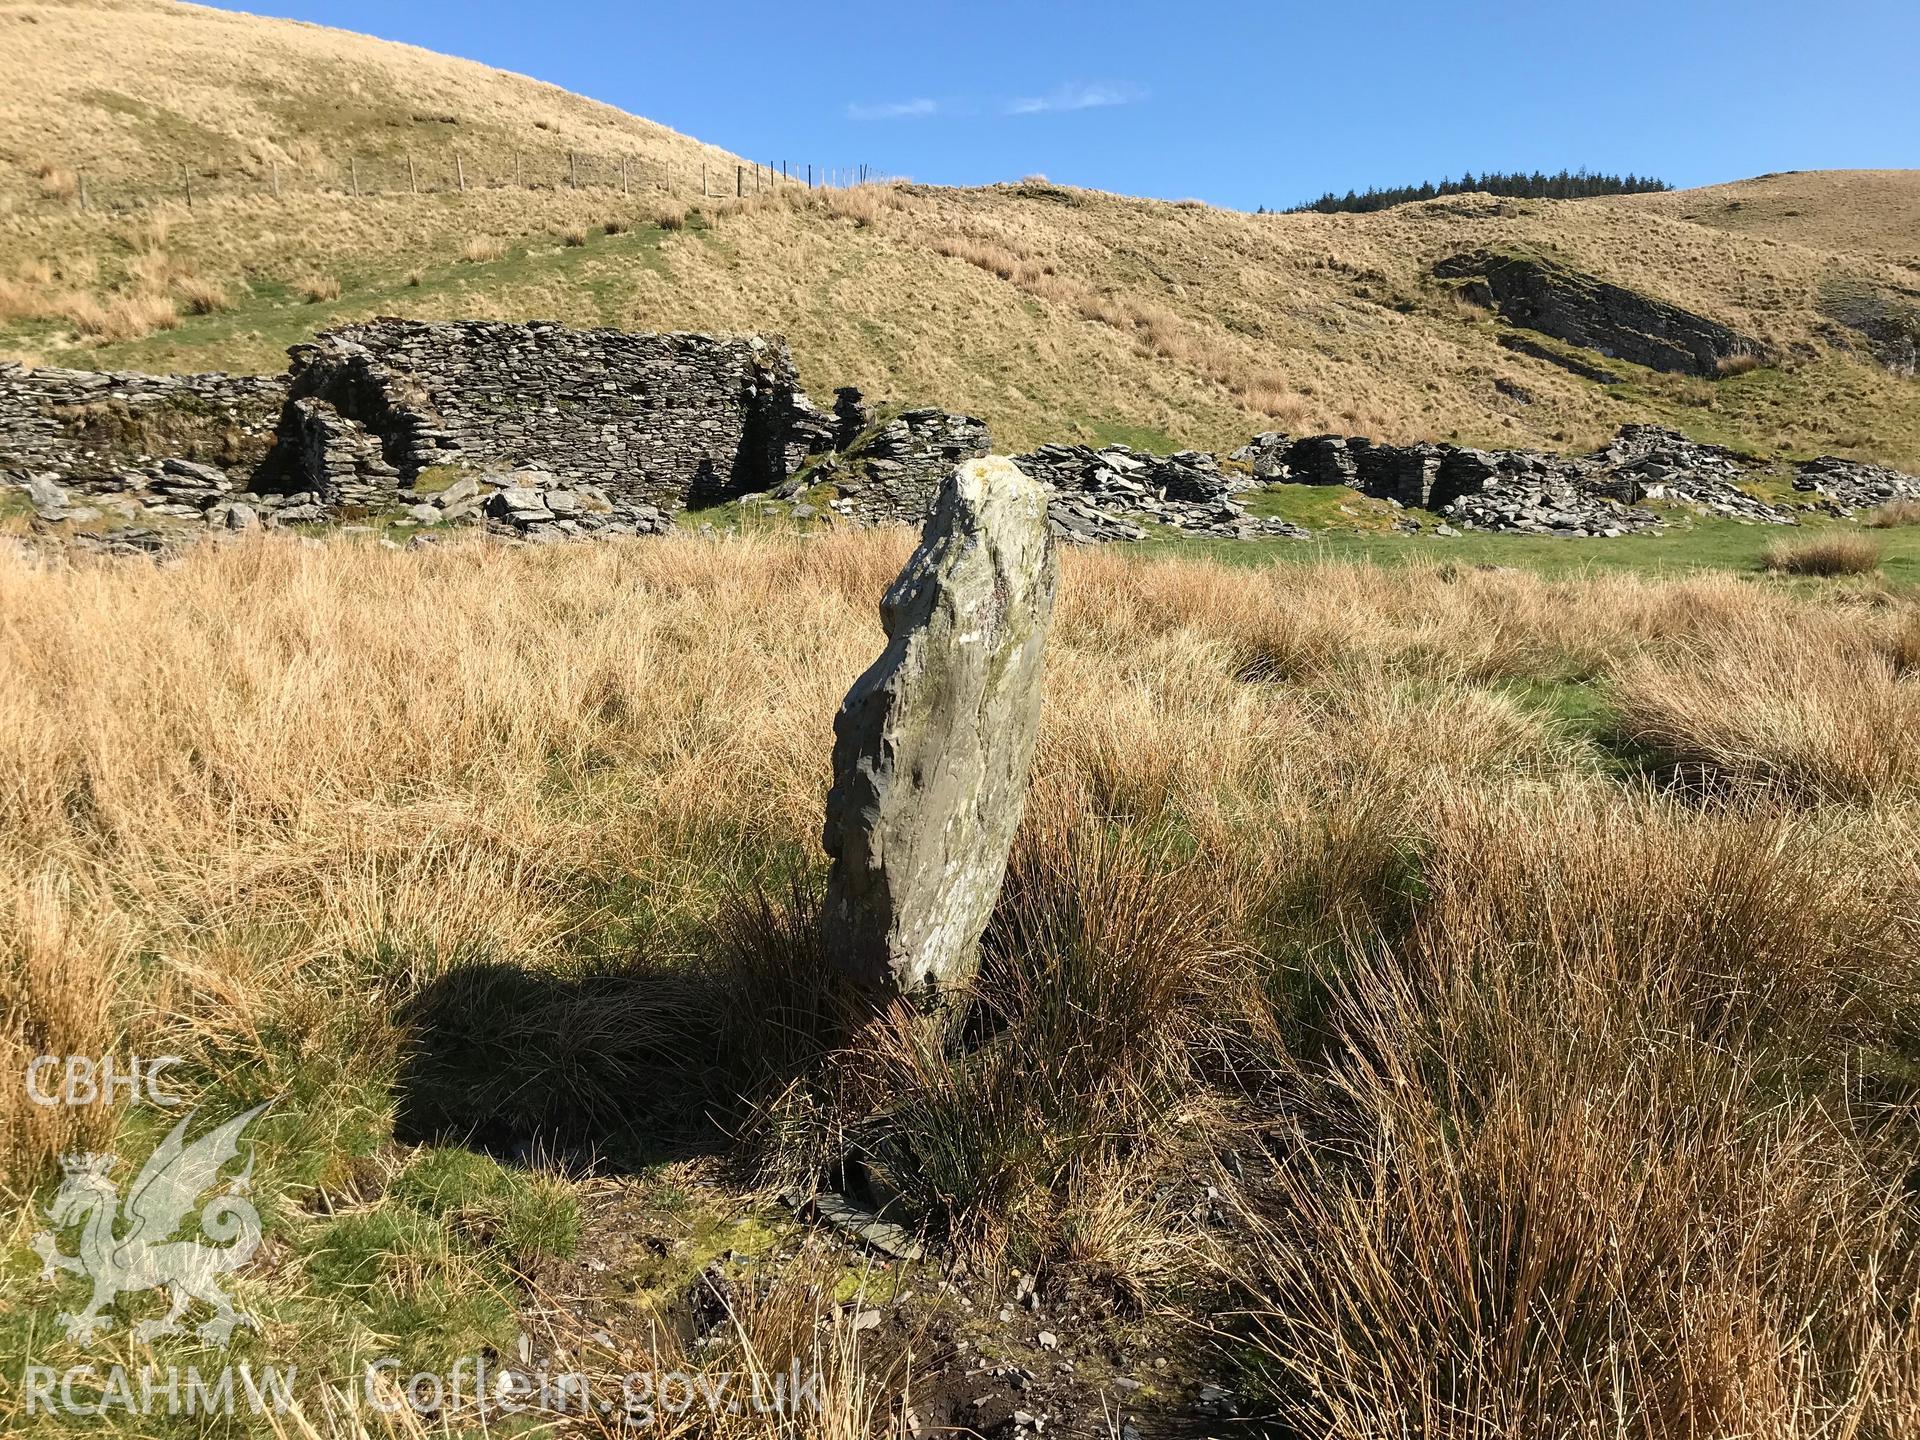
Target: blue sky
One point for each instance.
(1237, 104)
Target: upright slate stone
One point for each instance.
(933, 743)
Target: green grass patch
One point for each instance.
(1705, 544)
(1135, 437)
(271, 315)
(1323, 507)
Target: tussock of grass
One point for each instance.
(120, 317)
(202, 297)
(1559, 1097)
(482, 250)
(1820, 710)
(318, 289)
(1838, 554)
(1893, 516)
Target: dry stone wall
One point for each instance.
(116, 429)
(665, 420)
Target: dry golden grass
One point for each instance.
(1589, 1098)
(574, 236)
(1837, 554)
(202, 297)
(144, 87)
(120, 317)
(315, 289)
(483, 249)
(1555, 1102)
(1893, 516)
(1821, 711)
(1872, 213)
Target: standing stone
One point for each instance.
(933, 743)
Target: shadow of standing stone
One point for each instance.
(933, 744)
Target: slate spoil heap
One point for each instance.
(1845, 486)
(1106, 494)
(1526, 491)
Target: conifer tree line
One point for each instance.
(1567, 185)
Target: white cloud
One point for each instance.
(894, 110)
(1077, 97)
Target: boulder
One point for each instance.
(932, 745)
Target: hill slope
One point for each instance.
(1872, 213)
(1049, 311)
(130, 91)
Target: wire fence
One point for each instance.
(351, 176)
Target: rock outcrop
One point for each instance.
(1886, 318)
(933, 744)
(1539, 294)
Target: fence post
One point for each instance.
(626, 185)
(519, 180)
(186, 174)
(460, 171)
(739, 181)
(573, 170)
(809, 175)
(413, 181)
(83, 190)
(703, 179)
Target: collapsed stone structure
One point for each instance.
(661, 420)
(115, 432)
(1113, 494)
(546, 433)
(933, 744)
(1844, 486)
(894, 474)
(1528, 491)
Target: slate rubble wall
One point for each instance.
(82, 425)
(660, 419)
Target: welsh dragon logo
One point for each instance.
(145, 1256)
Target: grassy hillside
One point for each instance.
(1873, 213)
(1050, 311)
(130, 91)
